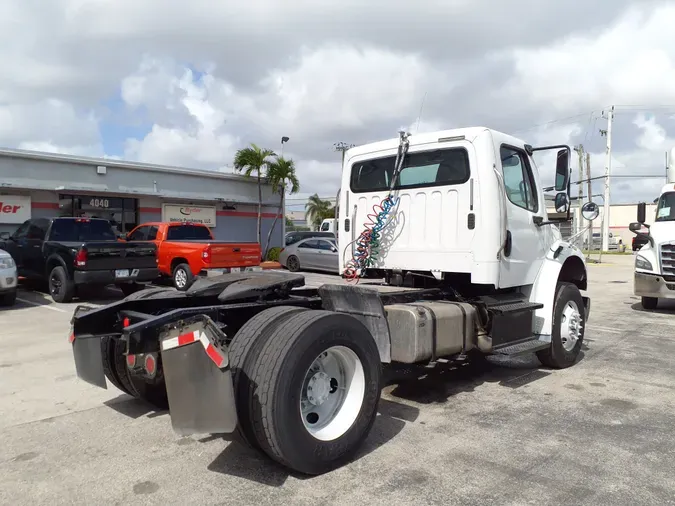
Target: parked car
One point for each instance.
(188, 250)
(8, 279)
(69, 253)
(293, 237)
(318, 253)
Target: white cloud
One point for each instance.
(319, 76)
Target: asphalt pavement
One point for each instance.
(509, 432)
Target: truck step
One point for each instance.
(522, 348)
(514, 306)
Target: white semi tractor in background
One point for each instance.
(454, 221)
(654, 276)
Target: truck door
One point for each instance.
(17, 246)
(521, 258)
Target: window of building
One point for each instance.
(122, 213)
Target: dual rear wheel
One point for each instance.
(307, 385)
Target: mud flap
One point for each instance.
(198, 379)
(89, 360)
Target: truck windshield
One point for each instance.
(188, 233)
(665, 210)
(75, 230)
(428, 168)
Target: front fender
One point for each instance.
(563, 262)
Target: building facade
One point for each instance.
(44, 185)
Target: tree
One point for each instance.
(254, 160)
(317, 210)
(281, 175)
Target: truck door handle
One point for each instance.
(236, 250)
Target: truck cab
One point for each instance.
(654, 276)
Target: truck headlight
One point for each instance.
(7, 263)
(642, 263)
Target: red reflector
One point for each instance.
(126, 322)
(214, 355)
(71, 337)
(131, 360)
(186, 339)
(150, 364)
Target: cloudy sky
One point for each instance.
(188, 83)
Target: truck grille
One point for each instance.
(668, 259)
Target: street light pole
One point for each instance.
(283, 139)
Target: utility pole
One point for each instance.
(590, 196)
(342, 146)
(608, 169)
(580, 190)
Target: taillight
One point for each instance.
(206, 254)
(81, 257)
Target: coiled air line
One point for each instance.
(368, 242)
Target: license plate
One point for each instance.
(122, 273)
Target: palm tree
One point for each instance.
(250, 160)
(315, 211)
(281, 175)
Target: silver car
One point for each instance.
(312, 254)
(8, 279)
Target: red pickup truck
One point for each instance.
(188, 250)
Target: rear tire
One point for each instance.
(293, 263)
(108, 354)
(569, 324)
(283, 391)
(649, 302)
(8, 299)
(182, 277)
(243, 352)
(61, 287)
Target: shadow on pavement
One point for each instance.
(134, 408)
(663, 307)
(239, 460)
(437, 385)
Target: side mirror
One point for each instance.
(635, 227)
(4, 235)
(561, 202)
(642, 212)
(562, 171)
(590, 211)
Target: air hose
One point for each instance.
(368, 242)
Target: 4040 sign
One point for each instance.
(104, 203)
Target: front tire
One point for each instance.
(318, 382)
(649, 302)
(569, 323)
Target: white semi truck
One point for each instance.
(654, 276)
(455, 222)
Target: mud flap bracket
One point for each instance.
(198, 379)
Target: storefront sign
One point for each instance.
(196, 214)
(14, 208)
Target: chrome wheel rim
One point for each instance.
(332, 393)
(571, 326)
(181, 278)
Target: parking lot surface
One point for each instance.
(510, 432)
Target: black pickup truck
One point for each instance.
(73, 252)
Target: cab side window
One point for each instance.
(518, 179)
(139, 234)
